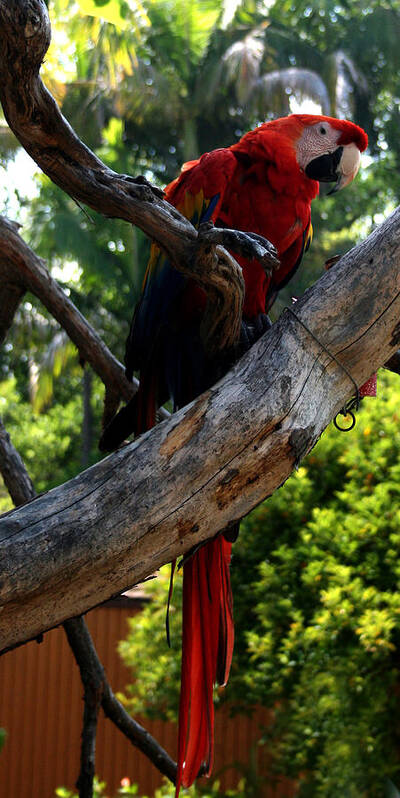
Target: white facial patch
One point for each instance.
(316, 140)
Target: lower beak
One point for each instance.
(325, 167)
(348, 169)
(338, 185)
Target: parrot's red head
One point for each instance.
(322, 148)
(328, 149)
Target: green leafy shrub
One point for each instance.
(50, 443)
(324, 649)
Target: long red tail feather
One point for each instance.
(207, 645)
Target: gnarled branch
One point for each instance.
(22, 270)
(19, 266)
(93, 675)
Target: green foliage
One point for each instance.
(155, 689)
(316, 581)
(50, 444)
(167, 790)
(109, 10)
(324, 647)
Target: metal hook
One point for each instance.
(345, 429)
(347, 410)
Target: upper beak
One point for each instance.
(348, 167)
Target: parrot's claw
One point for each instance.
(249, 245)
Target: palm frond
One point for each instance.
(273, 90)
(241, 64)
(344, 78)
(59, 354)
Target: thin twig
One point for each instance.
(93, 679)
(93, 672)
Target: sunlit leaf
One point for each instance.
(109, 10)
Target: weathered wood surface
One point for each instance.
(209, 464)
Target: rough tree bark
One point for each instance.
(211, 462)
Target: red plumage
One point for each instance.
(264, 184)
(207, 646)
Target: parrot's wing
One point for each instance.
(163, 342)
(290, 261)
(164, 335)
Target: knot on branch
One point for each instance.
(221, 278)
(220, 275)
(25, 26)
(141, 188)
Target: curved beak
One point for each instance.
(339, 167)
(348, 166)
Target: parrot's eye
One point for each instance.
(322, 130)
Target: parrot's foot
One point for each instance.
(249, 245)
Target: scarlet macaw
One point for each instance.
(263, 184)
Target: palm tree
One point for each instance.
(270, 67)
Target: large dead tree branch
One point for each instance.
(35, 119)
(213, 461)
